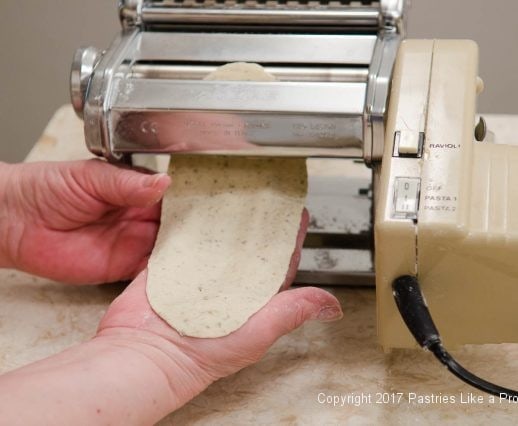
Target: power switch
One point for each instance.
(406, 197)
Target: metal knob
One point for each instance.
(85, 60)
(129, 12)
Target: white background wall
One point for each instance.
(38, 38)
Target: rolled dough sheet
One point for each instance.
(229, 228)
(228, 231)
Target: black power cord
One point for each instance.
(412, 307)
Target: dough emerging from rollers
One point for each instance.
(229, 227)
(240, 71)
(228, 231)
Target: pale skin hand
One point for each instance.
(138, 369)
(79, 222)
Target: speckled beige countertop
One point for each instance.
(290, 385)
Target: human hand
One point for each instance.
(138, 369)
(191, 364)
(78, 222)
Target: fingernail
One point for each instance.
(330, 313)
(151, 181)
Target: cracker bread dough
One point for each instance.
(229, 226)
(228, 230)
(240, 71)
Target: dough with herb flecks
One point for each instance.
(229, 227)
(228, 231)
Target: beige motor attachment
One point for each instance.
(446, 202)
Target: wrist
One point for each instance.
(184, 377)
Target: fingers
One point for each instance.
(120, 186)
(295, 257)
(287, 311)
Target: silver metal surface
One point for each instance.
(99, 96)
(376, 102)
(85, 59)
(216, 131)
(269, 97)
(261, 48)
(339, 243)
(281, 73)
(190, 116)
(367, 17)
(148, 74)
(344, 14)
(380, 74)
(393, 12)
(130, 12)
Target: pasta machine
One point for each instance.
(441, 200)
(332, 61)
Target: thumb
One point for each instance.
(285, 312)
(120, 186)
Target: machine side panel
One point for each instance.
(395, 236)
(471, 282)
